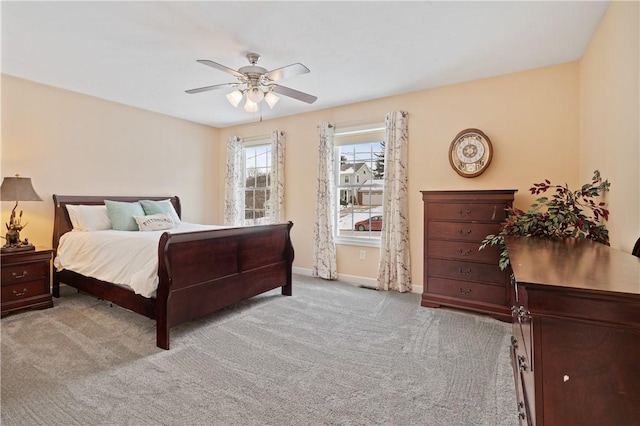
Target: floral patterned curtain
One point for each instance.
(275, 207)
(394, 271)
(233, 205)
(324, 249)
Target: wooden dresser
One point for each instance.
(26, 280)
(456, 273)
(576, 332)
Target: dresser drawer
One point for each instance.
(483, 272)
(23, 290)
(26, 281)
(468, 212)
(471, 291)
(21, 272)
(461, 231)
(463, 250)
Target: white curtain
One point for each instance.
(324, 248)
(275, 207)
(233, 203)
(394, 271)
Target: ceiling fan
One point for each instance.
(257, 83)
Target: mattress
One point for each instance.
(125, 258)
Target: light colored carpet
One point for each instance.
(331, 354)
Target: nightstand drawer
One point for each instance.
(26, 281)
(468, 212)
(22, 272)
(23, 290)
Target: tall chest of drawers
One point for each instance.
(456, 273)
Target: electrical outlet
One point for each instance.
(363, 254)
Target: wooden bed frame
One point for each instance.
(199, 272)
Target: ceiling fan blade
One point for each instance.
(289, 70)
(207, 88)
(220, 67)
(292, 93)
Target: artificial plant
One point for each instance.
(565, 214)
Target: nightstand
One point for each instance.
(26, 281)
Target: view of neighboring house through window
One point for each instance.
(257, 182)
(359, 183)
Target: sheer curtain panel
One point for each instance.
(233, 191)
(324, 248)
(276, 194)
(394, 271)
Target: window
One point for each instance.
(257, 182)
(360, 168)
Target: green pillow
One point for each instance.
(122, 214)
(163, 206)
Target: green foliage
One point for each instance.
(565, 214)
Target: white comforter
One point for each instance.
(120, 257)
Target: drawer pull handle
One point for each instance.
(463, 291)
(464, 271)
(464, 252)
(514, 342)
(463, 232)
(461, 213)
(20, 293)
(16, 276)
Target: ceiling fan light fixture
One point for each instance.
(255, 95)
(234, 97)
(271, 99)
(250, 106)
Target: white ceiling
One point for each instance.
(144, 54)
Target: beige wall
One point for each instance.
(74, 144)
(530, 117)
(610, 117)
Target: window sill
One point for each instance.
(358, 242)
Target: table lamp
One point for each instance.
(17, 189)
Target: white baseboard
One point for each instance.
(353, 279)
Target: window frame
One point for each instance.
(248, 145)
(366, 134)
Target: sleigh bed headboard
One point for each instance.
(62, 222)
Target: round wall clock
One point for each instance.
(470, 153)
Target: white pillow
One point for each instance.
(163, 206)
(154, 222)
(89, 218)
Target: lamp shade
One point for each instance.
(250, 106)
(271, 99)
(18, 189)
(255, 95)
(234, 97)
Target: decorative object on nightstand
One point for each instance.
(470, 153)
(17, 189)
(26, 280)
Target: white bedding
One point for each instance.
(125, 258)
